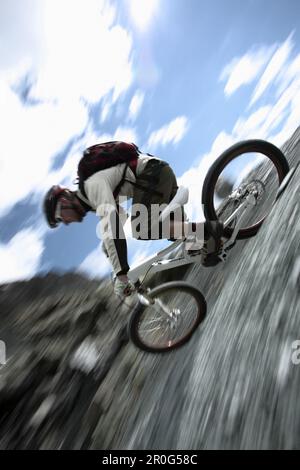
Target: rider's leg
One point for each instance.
(166, 183)
(205, 236)
(162, 179)
(187, 230)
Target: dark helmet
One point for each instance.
(49, 204)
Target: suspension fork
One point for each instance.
(146, 299)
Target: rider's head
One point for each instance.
(62, 205)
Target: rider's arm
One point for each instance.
(122, 213)
(99, 189)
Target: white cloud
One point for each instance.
(282, 72)
(20, 33)
(95, 264)
(106, 108)
(71, 49)
(127, 134)
(86, 54)
(193, 180)
(282, 105)
(140, 254)
(194, 177)
(252, 126)
(275, 65)
(30, 138)
(140, 251)
(20, 257)
(135, 105)
(264, 122)
(243, 70)
(170, 133)
(287, 75)
(279, 109)
(73, 53)
(142, 12)
(292, 116)
(220, 144)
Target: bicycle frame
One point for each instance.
(158, 262)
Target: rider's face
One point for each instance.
(70, 215)
(67, 214)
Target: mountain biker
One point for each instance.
(159, 185)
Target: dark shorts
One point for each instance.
(160, 185)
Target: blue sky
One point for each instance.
(183, 79)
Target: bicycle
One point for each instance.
(166, 317)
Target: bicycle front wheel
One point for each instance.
(169, 322)
(251, 166)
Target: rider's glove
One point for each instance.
(123, 288)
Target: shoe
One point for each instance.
(212, 243)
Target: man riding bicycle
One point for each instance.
(145, 179)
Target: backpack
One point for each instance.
(106, 155)
(101, 156)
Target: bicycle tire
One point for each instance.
(248, 146)
(135, 322)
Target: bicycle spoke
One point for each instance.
(158, 327)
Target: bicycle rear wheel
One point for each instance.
(170, 321)
(251, 166)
